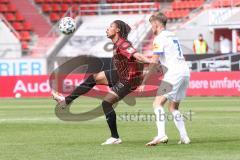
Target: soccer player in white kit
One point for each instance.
(167, 51)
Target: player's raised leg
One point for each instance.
(160, 121)
(87, 85)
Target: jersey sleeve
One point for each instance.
(127, 50)
(158, 46)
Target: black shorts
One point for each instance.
(121, 89)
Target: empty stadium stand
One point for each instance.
(182, 8)
(45, 12)
(17, 20)
(39, 23)
(225, 3)
(55, 9)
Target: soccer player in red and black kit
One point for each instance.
(123, 79)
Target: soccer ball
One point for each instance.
(67, 25)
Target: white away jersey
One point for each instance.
(167, 46)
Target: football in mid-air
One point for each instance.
(67, 25)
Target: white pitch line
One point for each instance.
(210, 100)
(39, 119)
(28, 119)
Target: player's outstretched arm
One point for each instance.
(151, 69)
(141, 58)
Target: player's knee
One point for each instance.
(107, 107)
(95, 76)
(154, 104)
(158, 102)
(171, 109)
(157, 105)
(100, 78)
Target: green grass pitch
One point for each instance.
(29, 130)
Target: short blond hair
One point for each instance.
(159, 16)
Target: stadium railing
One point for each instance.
(226, 62)
(9, 26)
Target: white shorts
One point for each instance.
(178, 89)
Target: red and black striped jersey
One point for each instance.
(128, 68)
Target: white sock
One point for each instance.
(160, 120)
(178, 120)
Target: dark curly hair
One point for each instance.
(124, 28)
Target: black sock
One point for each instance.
(111, 118)
(83, 88)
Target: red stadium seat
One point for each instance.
(25, 36)
(184, 13)
(176, 14)
(83, 8)
(129, 1)
(227, 3)
(119, 1)
(54, 17)
(110, 1)
(84, 13)
(191, 4)
(17, 26)
(12, 8)
(135, 7)
(46, 8)
(146, 6)
(59, 7)
(223, 3)
(168, 15)
(157, 5)
(61, 14)
(68, 1)
(93, 10)
(48, 1)
(75, 7)
(19, 17)
(91, 13)
(95, 1)
(180, 13)
(237, 2)
(25, 45)
(115, 7)
(4, 1)
(174, 5)
(188, 5)
(87, 1)
(56, 8)
(10, 17)
(140, 1)
(64, 7)
(27, 26)
(198, 3)
(3, 8)
(185, 5)
(58, 1)
(77, 1)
